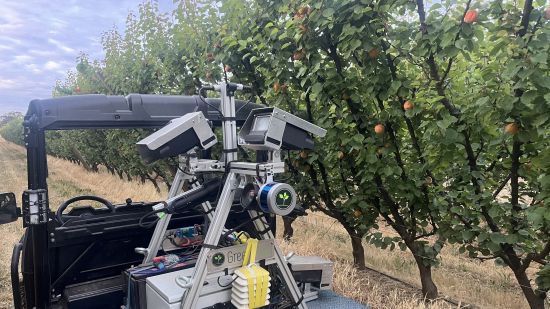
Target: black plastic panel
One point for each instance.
(296, 139)
(179, 145)
(133, 111)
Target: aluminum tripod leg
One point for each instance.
(162, 224)
(217, 224)
(295, 292)
(191, 296)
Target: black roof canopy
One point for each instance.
(133, 111)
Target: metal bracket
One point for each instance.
(35, 207)
(202, 165)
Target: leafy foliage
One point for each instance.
(12, 129)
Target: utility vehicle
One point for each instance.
(93, 257)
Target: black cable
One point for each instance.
(224, 178)
(183, 171)
(146, 226)
(224, 236)
(245, 104)
(230, 283)
(205, 102)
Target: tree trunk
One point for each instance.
(358, 251)
(154, 182)
(357, 247)
(288, 231)
(80, 158)
(429, 289)
(535, 300)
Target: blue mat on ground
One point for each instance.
(330, 300)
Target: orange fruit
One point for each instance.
(373, 53)
(276, 87)
(340, 155)
(470, 17)
(379, 129)
(511, 128)
(408, 105)
(298, 55)
(429, 180)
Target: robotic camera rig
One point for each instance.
(212, 245)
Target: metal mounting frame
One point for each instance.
(237, 174)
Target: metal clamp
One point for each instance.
(35, 207)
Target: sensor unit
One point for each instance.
(177, 137)
(273, 129)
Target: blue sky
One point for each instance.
(40, 40)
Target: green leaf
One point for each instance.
(528, 97)
(328, 12)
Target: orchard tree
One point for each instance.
(359, 171)
(425, 126)
(494, 99)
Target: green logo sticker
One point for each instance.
(284, 199)
(218, 259)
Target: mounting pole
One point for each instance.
(233, 178)
(229, 121)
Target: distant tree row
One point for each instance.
(11, 127)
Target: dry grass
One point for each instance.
(481, 283)
(65, 180)
(352, 283)
(474, 282)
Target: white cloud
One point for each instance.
(61, 46)
(33, 68)
(42, 53)
(7, 84)
(52, 66)
(11, 40)
(8, 28)
(10, 20)
(57, 23)
(22, 59)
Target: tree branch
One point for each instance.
(537, 257)
(450, 63)
(501, 186)
(527, 9)
(514, 182)
(470, 155)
